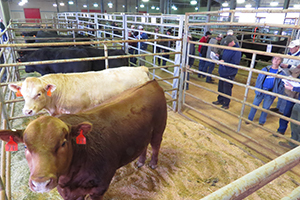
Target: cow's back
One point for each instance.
(79, 91)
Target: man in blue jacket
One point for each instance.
(232, 57)
(269, 83)
(142, 45)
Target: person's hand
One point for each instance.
(284, 65)
(221, 60)
(298, 66)
(288, 86)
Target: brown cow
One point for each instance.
(117, 132)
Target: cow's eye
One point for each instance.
(25, 147)
(39, 94)
(63, 144)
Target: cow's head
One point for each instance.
(35, 94)
(49, 149)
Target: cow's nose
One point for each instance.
(28, 112)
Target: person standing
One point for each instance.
(209, 66)
(2, 28)
(229, 34)
(142, 45)
(167, 44)
(291, 68)
(268, 83)
(232, 57)
(131, 46)
(190, 63)
(158, 50)
(204, 39)
(295, 134)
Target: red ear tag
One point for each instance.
(80, 139)
(11, 145)
(18, 93)
(49, 93)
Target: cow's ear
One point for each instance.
(86, 128)
(15, 86)
(50, 87)
(16, 134)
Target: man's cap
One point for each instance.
(140, 27)
(294, 43)
(207, 33)
(230, 32)
(228, 39)
(220, 35)
(170, 30)
(132, 26)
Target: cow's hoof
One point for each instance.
(152, 166)
(139, 164)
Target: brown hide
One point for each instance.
(117, 132)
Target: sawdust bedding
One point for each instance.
(193, 162)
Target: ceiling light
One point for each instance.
(274, 3)
(62, 4)
(196, 8)
(157, 8)
(25, 1)
(240, 1)
(95, 5)
(142, 6)
(123, 6)
(85, 6)
(21, 3)
(54, 5)
(152, 7)
(174, 7)
(297, 6)
(225, 4)
(248, 6)
(193, 2)
(136, 7)
(71, 2)
(145, 0)
(110, 4)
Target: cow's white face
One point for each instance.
(34, 92)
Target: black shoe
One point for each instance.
(225, 107)
(217, 103)
(247, 122)
(278, 133)
(274, 109)
(261, 124)
(210, 81)
(286, 145)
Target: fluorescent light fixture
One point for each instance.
(274, 3)
(174, 7)
(21, 3)
(248, 5)
(123, 6)
(145, 0)
(85, 6)
(54, 5)
(196, 8)
(297, 6)
(71, 2)
(225, 4)
(157, 8)
(95, 5)
(240, 1)
(152, 7)
(142, 5)
(193, 2)
(25, 1)
(110, 4)
(62, 4)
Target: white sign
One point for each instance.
(269, 48)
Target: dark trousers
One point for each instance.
(226, 88)
(209, 68)
(164, 62)
(133, 60)
(287, 112)
(294, 127)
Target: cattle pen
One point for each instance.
(195, 103)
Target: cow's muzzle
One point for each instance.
(41, 187)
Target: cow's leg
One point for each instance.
(142, 158)
(155, 144)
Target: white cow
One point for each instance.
(74, 92)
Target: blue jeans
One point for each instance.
(281, 104)
(294, 127)
(131, 51)
(287, 112)
(268, 100)
(209, 68)
(201, 66)
(226, 88)
(187, 78)
(164, 62)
